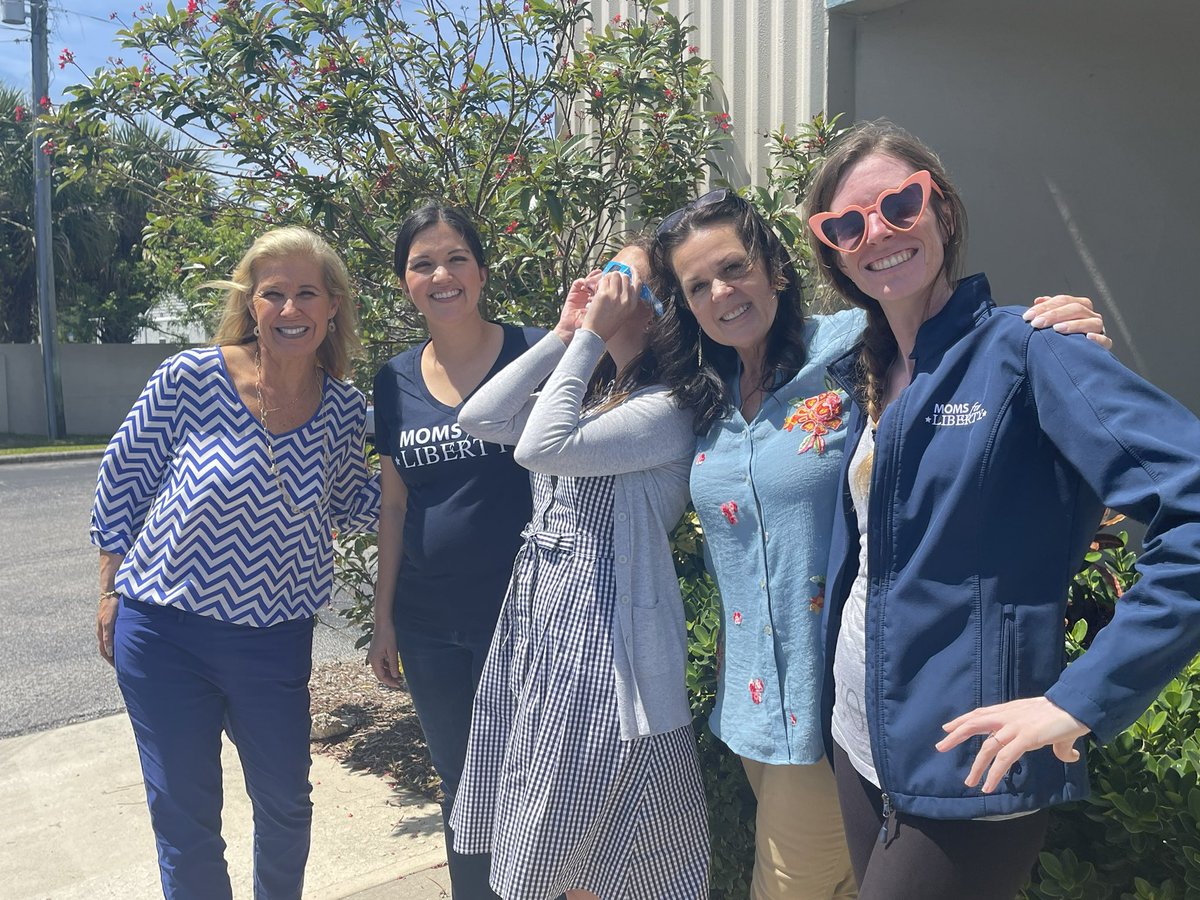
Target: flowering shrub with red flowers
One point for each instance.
(557, 133)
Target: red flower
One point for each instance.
(818, 416)
(617, 19)
(597, 93)
(737, 617)
(817, 601)
(322, 106)
(48, 147)
(44, 103)
(65, 58)
(693, 49)
(19, 114)
(729, 511)
(756, 689)
(668, 93)
(512, 226)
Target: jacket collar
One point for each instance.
(971, 301)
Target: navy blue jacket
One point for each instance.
(991, 471)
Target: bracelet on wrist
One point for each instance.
(110, 595)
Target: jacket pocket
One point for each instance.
(1008, 654)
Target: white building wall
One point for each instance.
(769, 59)
(1070, 125)
(1071, 128)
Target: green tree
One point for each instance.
(103, 283)
(347, 114)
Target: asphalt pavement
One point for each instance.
(73, 823)
(49, 665)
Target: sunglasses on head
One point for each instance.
(900, 207)
(709, 199)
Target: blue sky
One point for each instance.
(83, 26)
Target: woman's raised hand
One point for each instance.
(579, 294)
(1013, 729)
(615, 300)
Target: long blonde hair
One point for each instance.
(342, 343)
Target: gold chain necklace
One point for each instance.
(272, 464)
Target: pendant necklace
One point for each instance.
(323, 499)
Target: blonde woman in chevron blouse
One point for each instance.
(214, 510)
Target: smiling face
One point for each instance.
(442, 276)
(291, 305)
(727, 292)
(892, 267)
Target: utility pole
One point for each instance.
(43, 246)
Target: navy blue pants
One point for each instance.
(187, 677)
(442, 669)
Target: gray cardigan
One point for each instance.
(647, 444)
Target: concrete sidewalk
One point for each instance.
(74, 825)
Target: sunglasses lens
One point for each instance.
(846, 231)
(903, 208)
(717, 196)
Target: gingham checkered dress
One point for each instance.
(549, 787)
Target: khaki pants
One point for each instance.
(800, 848)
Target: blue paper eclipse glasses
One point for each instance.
(645, 295)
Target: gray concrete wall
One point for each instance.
(1072, 130)
(99, 383)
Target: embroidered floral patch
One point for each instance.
(756, 689)
(700, 459)
(817, 416)
(729, 510)
(792, 718)
(817, 601)
(737, 617)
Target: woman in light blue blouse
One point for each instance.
(214, 513)
(736, 346)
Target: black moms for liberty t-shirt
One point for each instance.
(467, 499)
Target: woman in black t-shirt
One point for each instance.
(453, 506)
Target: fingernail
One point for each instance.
(1060, 327)
(1027, 315)
(1039, 322)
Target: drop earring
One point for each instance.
(257, 333)
(699, 351)
(332, 326)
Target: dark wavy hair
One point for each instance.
(863, 140)
(428, 215)
(677, 337)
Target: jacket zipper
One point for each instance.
(888, 813)
(1008, 686)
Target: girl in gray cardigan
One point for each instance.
(581, 774)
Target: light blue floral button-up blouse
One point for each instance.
(765, 491)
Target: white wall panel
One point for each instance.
(769, 59)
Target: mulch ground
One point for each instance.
(383, 737)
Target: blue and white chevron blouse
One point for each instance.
(185, 493)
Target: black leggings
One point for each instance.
(932, 859)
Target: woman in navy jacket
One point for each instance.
(979, 458)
